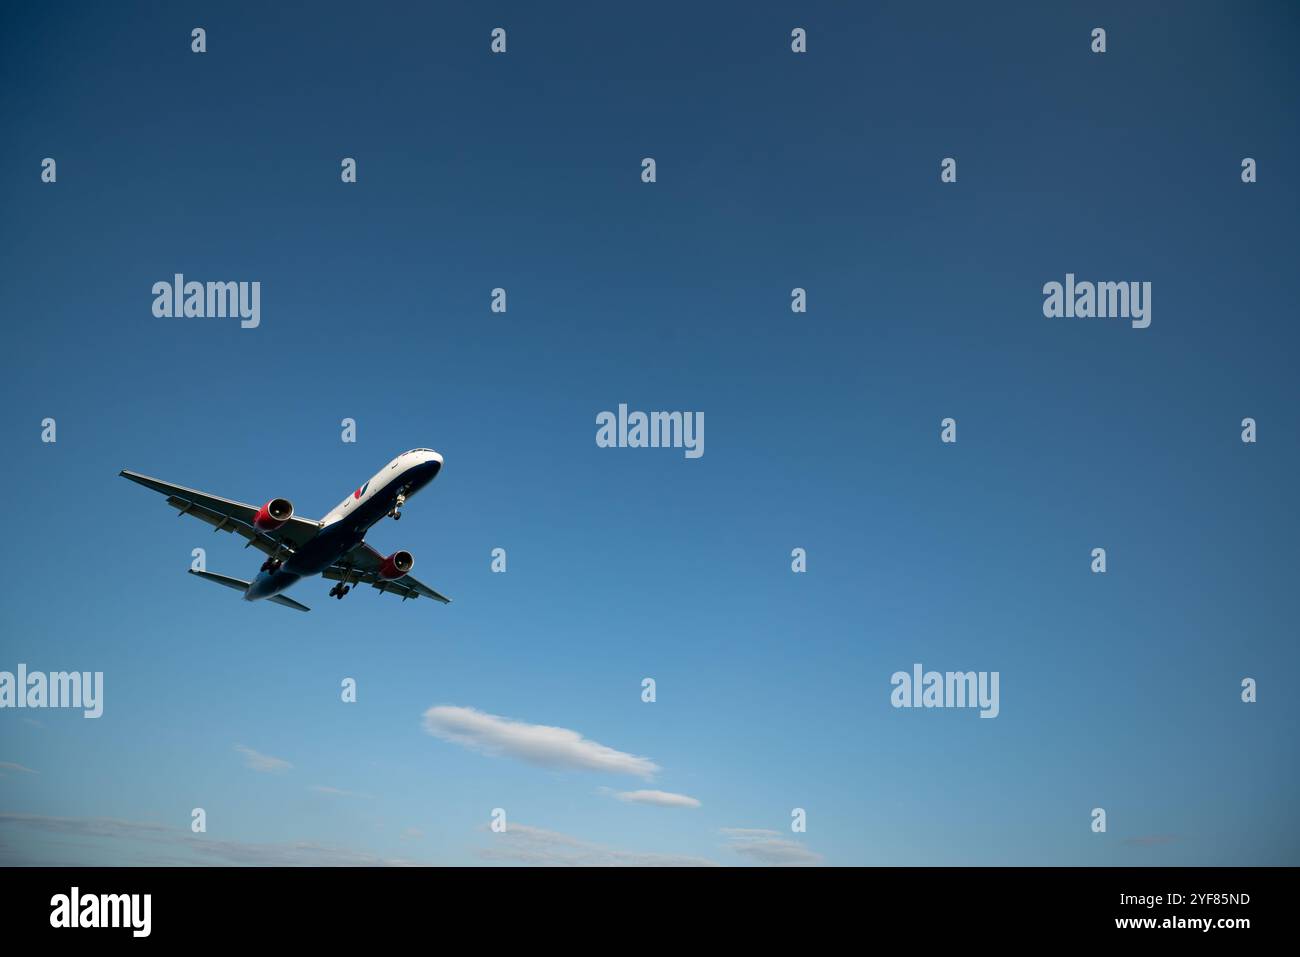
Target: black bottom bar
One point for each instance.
(336, 905)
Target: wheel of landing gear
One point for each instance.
(396, 516)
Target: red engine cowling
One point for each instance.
(396, 565)
(273, 514)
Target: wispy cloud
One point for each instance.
(768, 847)
(291, 854)
(201, 850)
(88, 826)
(523, 844)
(262, 762)
(535, 743)
(11, 766)
(657, 798)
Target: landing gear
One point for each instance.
(271, 565)
(396, 513)
(338, 591)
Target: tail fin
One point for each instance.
(238, 585)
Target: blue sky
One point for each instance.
(775, 170)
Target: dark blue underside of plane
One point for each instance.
(337, 539)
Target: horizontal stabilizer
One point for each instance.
(238, 585)
(288, 602)
(222, 580)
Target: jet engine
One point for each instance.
(273, 514)
(396, 565)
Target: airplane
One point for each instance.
(333, 547)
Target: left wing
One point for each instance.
(228, 515)
(361, 566)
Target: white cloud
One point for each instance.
(11, 766)
(262, 762)
(523, 844)
(535, 743)
(657, 798)
(768, 847)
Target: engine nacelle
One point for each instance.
(396, 565)
(273, 514)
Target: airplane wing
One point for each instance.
(227, 515)
(361, 566)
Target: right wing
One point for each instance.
(361, 566)
(228, 515)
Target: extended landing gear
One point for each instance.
(338, 591)
(271, 565)
(396, 513)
